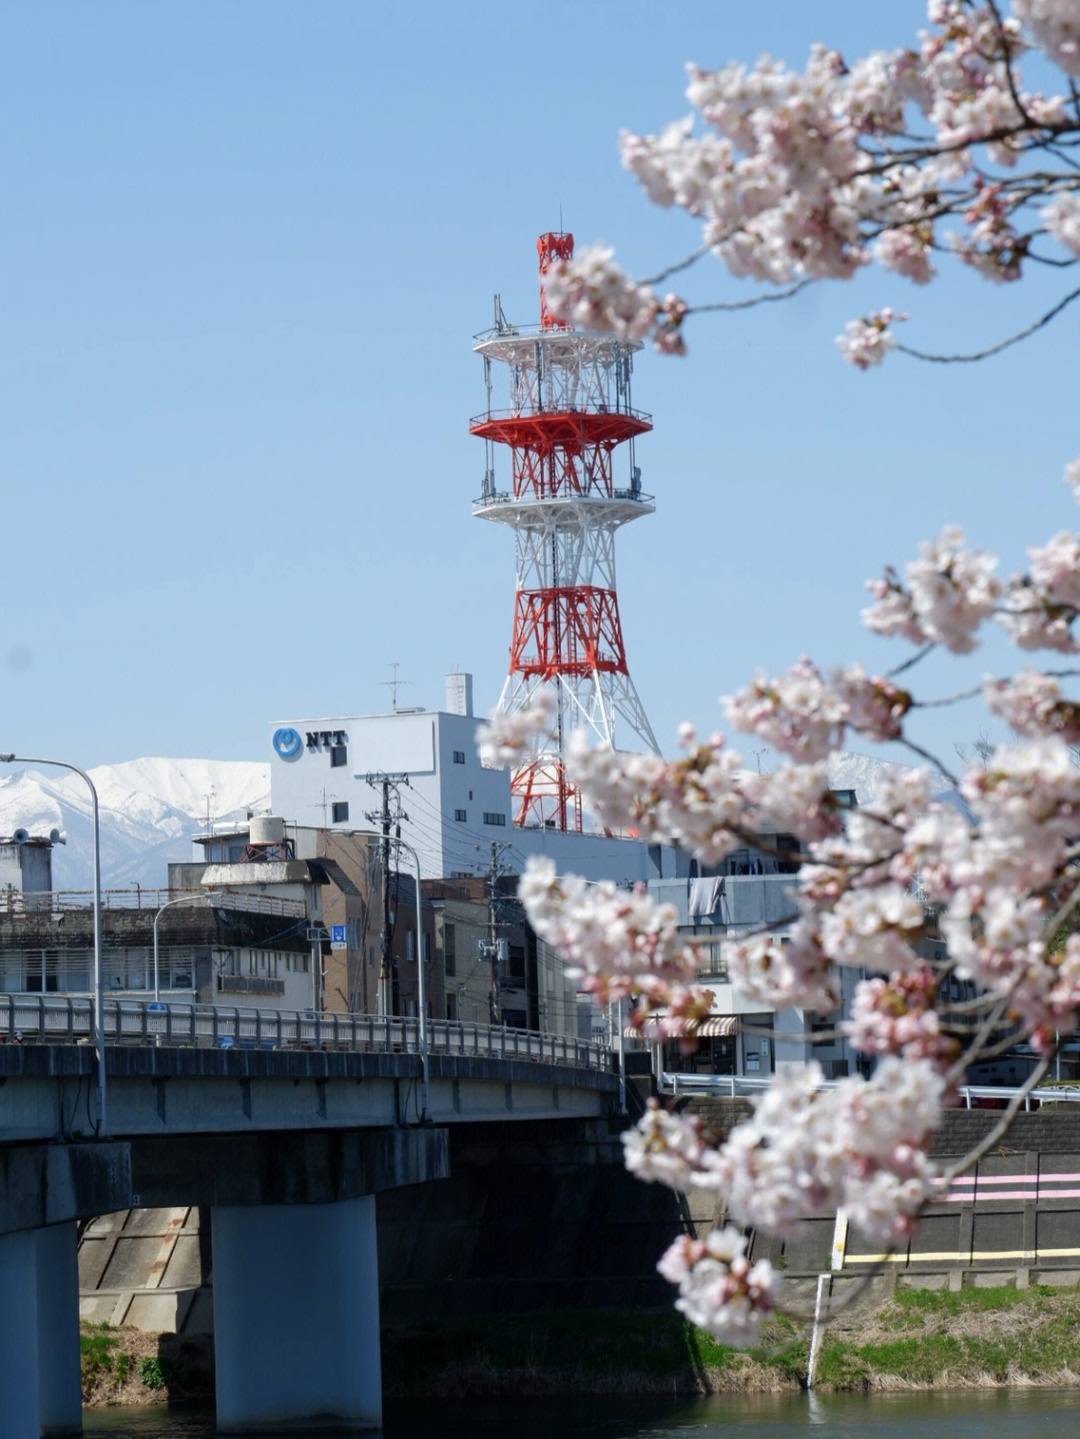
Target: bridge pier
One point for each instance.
(58, 1362)
(44, 1188)
(296, 1317)
(19, 1402)
(40, 1390)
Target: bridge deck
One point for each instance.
(46, 1090)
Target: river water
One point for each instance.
(967, 1414)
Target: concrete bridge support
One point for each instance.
(59, 1377)
(44, 1188)
(296, 1274)
(40, 1392)
(296, 1318)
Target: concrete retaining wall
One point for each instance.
(542, 1215)
(1013, 1218)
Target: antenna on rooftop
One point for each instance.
(394, 685)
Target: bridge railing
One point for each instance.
(972, 1096)
(59, 1019)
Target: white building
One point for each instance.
(332, 772)
(749, 891)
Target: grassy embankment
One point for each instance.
(919, 1339)
(128, 1367)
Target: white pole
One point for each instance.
(815, 1336)
(98, 991)
(182, 899)
(99, 981)
(620, 1020)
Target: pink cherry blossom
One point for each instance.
(949, 591)
(508, 735)
(719, 1290)
(867, 341)
(1034, 704)
(892, 157)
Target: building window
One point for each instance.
(451, 1006)
(459, 756)
(450, 951)
(460, 816)
(339, 811)
(339, 755)
(515, 967)
(822, 1029)
(788, 849)
(491, 817)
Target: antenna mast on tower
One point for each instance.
(568, 414)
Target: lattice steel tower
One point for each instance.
(569, 427)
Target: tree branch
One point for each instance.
(750, 304)
(1001, 345)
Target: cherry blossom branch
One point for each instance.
(1005, 55)
(674, 269)
(926, 755)
(945, 700)
(912, 661)
(1001, 1128)
(960, 359)
(1054, 924)
(750, 304)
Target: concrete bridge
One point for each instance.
(287, 1142)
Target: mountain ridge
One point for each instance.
(149, 811)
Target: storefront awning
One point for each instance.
(715, 1026)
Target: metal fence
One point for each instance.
(972, 1096)
(68, 1019)
(65, 901)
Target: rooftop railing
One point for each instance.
(62, 901)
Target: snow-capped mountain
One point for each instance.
(149, 810)
(865, 775)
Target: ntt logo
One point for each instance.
(287, 742)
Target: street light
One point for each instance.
(99, 1005)
(183, 899)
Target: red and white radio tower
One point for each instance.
(569, 412)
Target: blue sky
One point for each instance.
(245, 248)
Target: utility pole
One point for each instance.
(491, 948)
(387, 993)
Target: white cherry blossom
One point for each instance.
(719, 1289)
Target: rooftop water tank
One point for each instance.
(266, 829)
